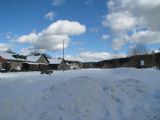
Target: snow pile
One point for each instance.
(114, 94)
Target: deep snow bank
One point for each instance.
(86, 98)
(115, 94)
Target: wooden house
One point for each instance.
(58, 64)
(35, 63)
(2, 61)
(11, 61)
(74, 64)
(54, 63)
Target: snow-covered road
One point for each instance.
(93, 94)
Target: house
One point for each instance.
(74, 64)
(2, 61)
(35, 63)
(64, 65)
(10, 61)
(58, 64)
(54, 63)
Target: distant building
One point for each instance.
(35, 63)
(13, 62)
(54, 63)
(74, 64)
(2, 61)
(58, 64)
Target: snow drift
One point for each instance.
(118, 94)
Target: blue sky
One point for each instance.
(107, 25)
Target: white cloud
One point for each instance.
(105, 36)
(143, 3)
(95, 56)
(58, 2)
(52, 37)
(50, 15)
(110, 3)
(31, 38)
(28, 51)
(149, 11)
(145, 10)
(146, 37)
(156, 51)
(118, 21)
(62, 27)
(4, 47)
(139, 37)
(119, 42)
(139, 17)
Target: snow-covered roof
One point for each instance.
(33, 58)
(55, 60)
(10, 56)
(6, 55)
(36, 63)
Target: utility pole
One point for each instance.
(63, 49)
(63, 56)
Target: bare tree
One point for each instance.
(10, 51)
(36, 52)
(115, 54)
(139, 49)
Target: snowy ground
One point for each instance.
(94, 94)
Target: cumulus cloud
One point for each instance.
(28, 51)
(58, 2)
(118, 21)
(4, 47)
(146, 36)
(31, 38)
(62, 27)
(133, 16)
(120, 41)
(110, 4)
(53, 36)
(50, 15)
(147, 10)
